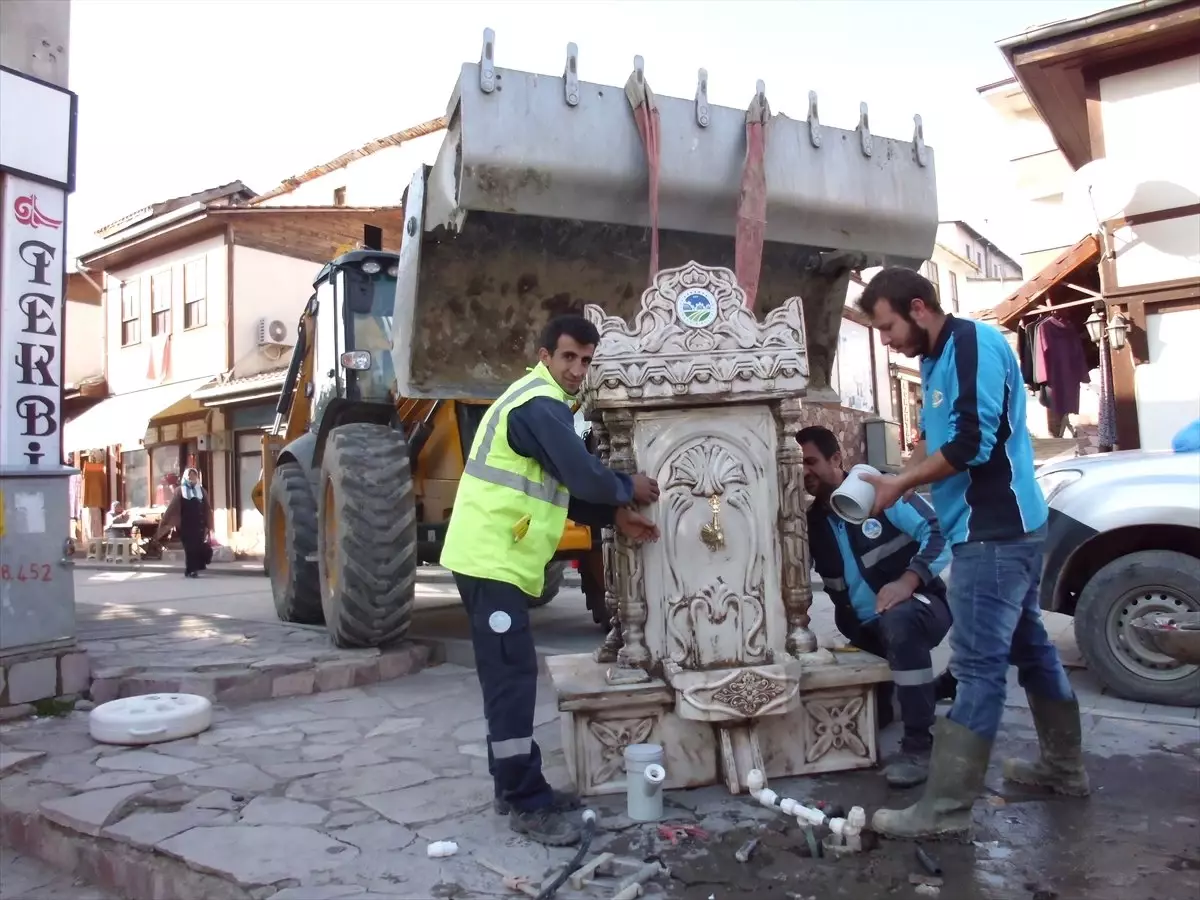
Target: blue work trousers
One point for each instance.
(507, 665)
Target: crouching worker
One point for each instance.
(527, 472)
(888, 598)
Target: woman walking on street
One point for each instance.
(191, 514)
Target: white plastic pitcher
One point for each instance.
(854, 499)
(644, 777)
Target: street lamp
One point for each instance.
(1095, 326)
(1118, 330)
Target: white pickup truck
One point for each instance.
(1123, 542)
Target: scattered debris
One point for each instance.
(928, 890)
(676, 833)
(746, 850)
(599, 865)
(630, 888)
(440, 849)
(928, 863)
(513, 882)
(931, 880)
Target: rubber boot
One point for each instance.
(908, 768)
(563, 802)
(546, 826)
(956, 770)
(1060, 736)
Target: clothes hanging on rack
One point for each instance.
(1064, 363)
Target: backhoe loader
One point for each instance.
(547, 193)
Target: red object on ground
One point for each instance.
(675, 833)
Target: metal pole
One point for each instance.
(38, 655)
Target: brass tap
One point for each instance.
(711, 533)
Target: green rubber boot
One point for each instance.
(1060, 767)
(956, 770)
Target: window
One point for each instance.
(131, 313)
(855, 373)
(934, 275)
(249, 468)
(135, 479)
(160, 303)
(954, 291)
(195, 293)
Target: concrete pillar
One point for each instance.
(38, 655)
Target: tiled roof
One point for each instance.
(340, 162)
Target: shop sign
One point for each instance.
(194, 428)
(32, 245)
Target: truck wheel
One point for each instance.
(291, 540)
(555, 572)
(1129, 587)
(367, 540)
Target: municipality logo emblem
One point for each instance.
(696, 308)
(871, 529)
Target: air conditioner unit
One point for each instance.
(274, 333)
(215, 442)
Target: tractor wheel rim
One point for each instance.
(1129, 647)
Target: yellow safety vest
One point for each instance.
(509, 513)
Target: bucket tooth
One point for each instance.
(814, 120)
(487, 62)
(702, 98)
(571, 75)
(919, 141)
(864, 129)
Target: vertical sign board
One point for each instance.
(32, 297)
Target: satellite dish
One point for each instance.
(1099, 191)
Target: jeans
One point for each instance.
(997, 623)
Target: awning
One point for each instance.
(123, 419)
(1083, 254)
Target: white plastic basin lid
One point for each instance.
(150, 710)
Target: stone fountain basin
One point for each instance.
(1176, 635)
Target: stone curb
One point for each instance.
(268, 680)
(115, 866)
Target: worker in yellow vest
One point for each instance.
(527, 472)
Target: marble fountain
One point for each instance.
(710, 653)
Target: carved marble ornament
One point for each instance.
(694, 340)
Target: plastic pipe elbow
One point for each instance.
(653, 778)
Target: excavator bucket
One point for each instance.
(549, 193)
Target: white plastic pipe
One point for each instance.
(850, 828)
(805, 815)
(653, 778)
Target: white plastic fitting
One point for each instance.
(653, 778)
(850, 828)
(441, 849)
(804, 815)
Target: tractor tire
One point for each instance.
(291, 541)
(367, 536)
(555, 572)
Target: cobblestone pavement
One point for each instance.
(23, 878)
(334, 796)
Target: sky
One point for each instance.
(176, 96)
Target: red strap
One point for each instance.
(648, 126)
(752, 212)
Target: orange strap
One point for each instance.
(752, 201)
(645, 116)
